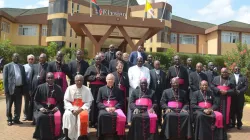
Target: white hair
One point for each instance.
(30, 56)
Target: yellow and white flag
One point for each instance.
(149, 8)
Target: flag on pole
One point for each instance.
(149, 8)
(97, 8)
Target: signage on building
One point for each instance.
(111, 13)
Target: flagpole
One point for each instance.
(163, 11)
(145, 12)
(90, 10)
(71, 7)
(127, 10)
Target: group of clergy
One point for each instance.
(131, 91)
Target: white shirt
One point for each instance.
(157, 71)
(138, 54)
(135, 73)
(28, 70)
(237, 78)
(18, 76)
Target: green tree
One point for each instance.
(51, 50)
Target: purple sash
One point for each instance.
(57, 121)
(218, 115)
(51, 101)
(228, 102)
(120, 119)
(174, 104)
(153, 117)
(181, 81)
(61, 75)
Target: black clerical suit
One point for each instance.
(77, 67)
(195, 79)
(180, 72)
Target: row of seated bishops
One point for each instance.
(51, 122)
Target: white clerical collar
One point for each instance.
(236, 74)
(157, 71)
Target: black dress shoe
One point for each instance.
(239, 127)
(17, 122)
(9, 123)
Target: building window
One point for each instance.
(164, 35)
(77, 8)
(44, 30)
(5, 27)
(187, 39)
(72, 7)
(230, 37)
(150, 50)
(75, 45)
(27, 30)
(70, 32)
(173, 38)
(246, 38)
(70, 44)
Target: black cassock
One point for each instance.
(238, 100)
(38, 76)
(205, 128)
(149, 65)
(122, 82)
(210, 75)
(190, 69)
(225, 100)
(55, 67)
(176, 124)
(106, 120)
(181, 73)
(95, 84)
(110, 56)
(195, 79)
(140, 126)
(48, 125)
(77, 67)
(158, 84)
(113, 64)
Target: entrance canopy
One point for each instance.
(99, 28)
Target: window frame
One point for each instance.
(187, 36)
(30, 29)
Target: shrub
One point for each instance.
(1, 85)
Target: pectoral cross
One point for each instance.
(58, 76)
(38, 76)
(48, 104)
(119, 85)
(158, 82)
(139, 101)
(108, 101)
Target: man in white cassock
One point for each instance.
(135, 73)
(77, 101)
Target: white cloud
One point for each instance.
(217, 9)
(1, 3)
(40, 3)
(243, 14)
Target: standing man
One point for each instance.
(113, 63)
(136, 54)
(104, 62)
(14, 81)
(111, 119)
(125, 57)
(60, 70)
(195, 79)
(189, 66)
(149, 63)
(77, 102)
(180, 72)
(78, 66)
(122, 82)
(210, 72)
(110, 55)
(96, 75)
(48, 105)
(223, 87)
(238, 99)
(158, 84)
(27, 111)
(135, 73)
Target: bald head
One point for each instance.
(118, 55)
(157, 64)
(139, 61)
(79, 55)
(15, 57)
(42, 58)
(210, 66)
(177, 60)
(143, 84)
(224, 73)
(59, 56)
(199, 67)
(175, 83)
(97, 59)
(50, 78)
(189, 62)
(111, 47)
(203, 85)
(150, 58)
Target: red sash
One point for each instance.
(78, 102)
(228, 102)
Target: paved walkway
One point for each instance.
(25, 131)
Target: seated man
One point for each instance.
(177, 123)
(143, 102)
(77, 102)
(111, 119)
(48, 100)
(208, 123)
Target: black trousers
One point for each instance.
(16, 98)
(28, 106)
(236, 109)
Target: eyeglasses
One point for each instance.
(31, 59)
